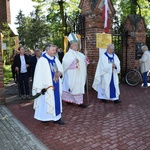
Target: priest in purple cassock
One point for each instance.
(106, 81)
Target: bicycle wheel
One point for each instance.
(133, 78)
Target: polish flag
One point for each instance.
(105, 16)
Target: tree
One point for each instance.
(126, 7)
(9, 40)
(21, 22)
(60, 17)
(52, 19)
(33, 30)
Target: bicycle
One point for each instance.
(133, 77)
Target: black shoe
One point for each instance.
(23, 97)
(15, 81)
(59, 122)
(68, 103)
(117, 101)
(83, 105)
(28, 97)
(104, 101)
(44, 121)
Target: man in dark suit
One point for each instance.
(60, 54)
(21, 65)
(34, 61)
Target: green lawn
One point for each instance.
(7, 74)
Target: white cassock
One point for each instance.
(49, 106)
(74, 76)
(106, 81)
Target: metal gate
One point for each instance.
(117, 39)
(120, 41)
(77, 25)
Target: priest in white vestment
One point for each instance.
(48, 106)
(74, 67)
(106, 81)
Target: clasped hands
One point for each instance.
(57, 75)
(114, 66)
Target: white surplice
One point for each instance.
(103, 77)
(44, 105)
(74, 79)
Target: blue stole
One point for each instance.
(53, 66)
(111, 86)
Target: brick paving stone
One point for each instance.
(13, 134)
(101, 126)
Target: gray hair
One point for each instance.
(37, 50)
(144, 48)
(110, 45)
(49, 46)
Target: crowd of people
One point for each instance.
(23, 62)
(56, 77)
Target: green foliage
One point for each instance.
(50, 21)
(125, 7)
(21, 22)
(33, 30)
(10, 42)
(62, 21)
(148, 38)
(7, 74)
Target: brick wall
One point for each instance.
(4, 12)
(136, 33)
(93, 24)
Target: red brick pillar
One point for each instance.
(136, 37)
(92, 11)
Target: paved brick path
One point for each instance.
(109, 126)
(14, 135)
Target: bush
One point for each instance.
(7, 74)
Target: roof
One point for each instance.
(13, 29)
(135, 19)
(93, 3)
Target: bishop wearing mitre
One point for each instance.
(75, 72)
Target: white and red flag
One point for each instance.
(105, 16)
